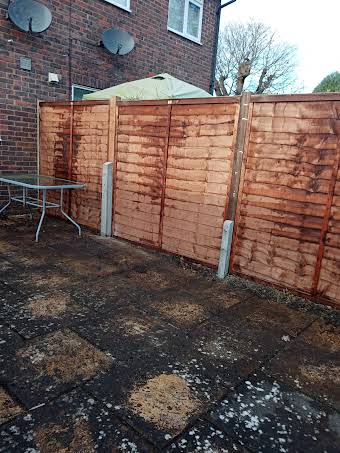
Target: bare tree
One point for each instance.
(251, 58)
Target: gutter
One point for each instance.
(217, 32)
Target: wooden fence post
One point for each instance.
(164, 175)
(238, 156)
(243, 130)
(112, 130)
(106, 210)
(38, 136)
(112, 149)
(327, 215)
(70, 158)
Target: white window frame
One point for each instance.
(185, 34)
(82, 87)
(119, 5)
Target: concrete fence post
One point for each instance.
(106, 211)
(227, 237)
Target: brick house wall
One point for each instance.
(70, 48)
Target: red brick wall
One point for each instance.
(73, 53)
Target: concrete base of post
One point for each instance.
(106, 212)
(227, 237)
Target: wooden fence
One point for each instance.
(181, 168)
(172, 167)
(74, 145)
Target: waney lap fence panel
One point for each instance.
(54, 139)
(291, 151)
(55, 136)
(140, 162)
(89, 153)
(198, 177)
(329, 256)
(74, 145)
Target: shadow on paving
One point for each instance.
(268, 416)
(312, 364)
(74, 423)
(108, 347)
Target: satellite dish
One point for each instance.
(29, 15)
(118, 42)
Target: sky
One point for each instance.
(313, 26)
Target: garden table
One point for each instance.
(41, 184)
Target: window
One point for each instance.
(125, 4)
(78, 91)
(185, 18)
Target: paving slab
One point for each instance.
(223, 352)
(180, 308)
(50, 365)
(30, 257)
(266, 314)
(312, 363)
(9, 296)
(161, 276)
(90, 258)
(107, 294)
(5, 265)
(93, 267)
(219, 298)
(6, 248)
(267, 416)
(157, 397)
(32, 280)
(36, 315)
(9, 408)
(110, 250)
(21, 231)
(128, 333)
(10, 341)
(74, 423)
(28, 254)
(204, 437)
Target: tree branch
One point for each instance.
(250, 57)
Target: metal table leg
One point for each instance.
(9, 200)
(24, 198)
(42, 216)
(66, 215)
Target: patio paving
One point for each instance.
(107, 347)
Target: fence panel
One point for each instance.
(55, 137)
(54, 140)
(172, 173)
(139, 172)
(198, 177)
(292, 147)
(89, 152)
(329, 283)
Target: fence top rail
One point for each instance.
(74, 103)
(307, 97)
(193, 101)
(256, 98)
